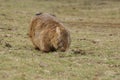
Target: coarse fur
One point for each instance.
(48, 34)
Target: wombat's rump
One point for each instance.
(48, 34)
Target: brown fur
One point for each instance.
(48, 34)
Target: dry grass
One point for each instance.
(95, 48)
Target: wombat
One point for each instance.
(48, 34)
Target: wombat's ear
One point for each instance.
(38, 14)
(58, 31)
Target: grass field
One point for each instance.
(95, 49)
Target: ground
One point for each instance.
(94, 53)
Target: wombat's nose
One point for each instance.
(62, 49)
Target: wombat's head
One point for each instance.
(63, 39)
